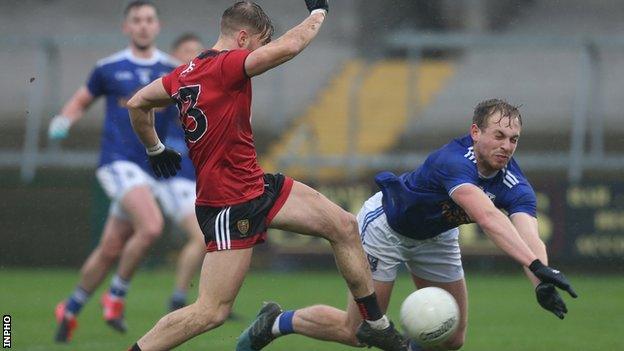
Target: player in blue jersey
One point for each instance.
(134, 221)
(413, 220)
(177, 195)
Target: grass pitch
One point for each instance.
(503, 313)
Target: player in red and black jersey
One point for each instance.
(236, 201)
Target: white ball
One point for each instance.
(430, 316)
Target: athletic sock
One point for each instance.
(76, 300)
(379, 324)
(283, 324)
(413, 346)
(135, 347)
(119, 287)
(179, 297)
(370, 312)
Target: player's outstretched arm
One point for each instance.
(494, 223)
(290, 44)
(72, 111)
(164, 161)
(502, 232)
(526, 225)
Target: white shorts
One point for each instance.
(119, 177)
(176, 197)
(437, 259)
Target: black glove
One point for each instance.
(549, 299)
(552, 276)
(166, 164)
(317, 4)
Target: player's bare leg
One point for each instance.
(190, 258)
(116, 233)
(222, 275)
(328, 323)
(308, 212)
(459, 292)
(93, 271)
(147, 222)
(139, 204)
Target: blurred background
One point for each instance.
(384, 84)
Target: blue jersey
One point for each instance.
(118, 77)
(175, 140)
(418, 204)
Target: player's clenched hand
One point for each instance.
(317, 4)
(165, 162)
(549, 299)
(552, 276)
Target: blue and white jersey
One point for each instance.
(418, 204)
(118, 77)
(176, 141)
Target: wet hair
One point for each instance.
(246, 14)
(485, 109)
(183, 38)
(136, 4)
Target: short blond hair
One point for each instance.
(246, 14)
(487, 108)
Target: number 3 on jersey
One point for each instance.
(194, 120)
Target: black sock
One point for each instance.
(135, 347)
(369, 308)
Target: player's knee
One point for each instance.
(151, 230)
(348, 227)
(210, 317)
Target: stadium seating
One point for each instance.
(375, 112)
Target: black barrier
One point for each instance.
(48, 223)
(595, 221)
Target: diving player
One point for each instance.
(413, 220)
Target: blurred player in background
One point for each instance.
(236, 200)
(134, 221)
(413, 220)
(177, 194)
(186, 47)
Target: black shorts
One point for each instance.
(244, 225)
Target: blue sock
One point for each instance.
(179, 295)
(283, 324)
(178, 299)
(119, 287)
(413, 346)
(76, 300)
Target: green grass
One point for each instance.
(503, 312)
